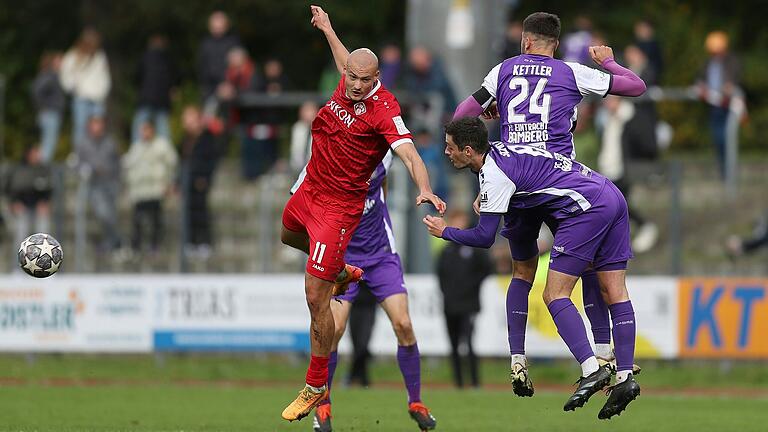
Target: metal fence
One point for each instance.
(693, 209)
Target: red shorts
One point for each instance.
(329, 224)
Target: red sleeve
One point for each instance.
(390, 124)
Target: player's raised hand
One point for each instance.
(600, 53)
(435, 225)
(320, 18)
(433, 199)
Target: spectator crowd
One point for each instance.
(154, 168)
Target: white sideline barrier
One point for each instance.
(654, 300)
(141, 313)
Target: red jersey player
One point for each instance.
(350, 136)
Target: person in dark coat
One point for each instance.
(461, 271)
(157, 76)
(199, 157)
(212, 54)
(49, 100)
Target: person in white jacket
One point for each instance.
(85, 75)
(149, 168)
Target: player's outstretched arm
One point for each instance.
(407, 152)
(322, 22)
(482, 236)
(624, 81)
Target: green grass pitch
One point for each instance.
(221, 408)
(247, 393)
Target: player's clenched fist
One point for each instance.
(435, 225)
(320, 18)
(600, 53)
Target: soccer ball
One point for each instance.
(40, 255)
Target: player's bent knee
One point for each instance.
(403, 329)
(525, 270)
(339, 331)
(548, 296)
(317, 300)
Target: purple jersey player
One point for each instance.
(372, 248)
(591, 226)
(536, 97)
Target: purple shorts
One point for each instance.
(384, 278)
(521, 228)
(599, 236)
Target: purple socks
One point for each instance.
(517, 314)
(623, 316)
(333, 360)
(410, 366)
(571, 328)
(595, 308)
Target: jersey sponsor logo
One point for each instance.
(369, 204)
(360, 108)
(400, 125)
(317, 267)
(483, 198)
(341, 113)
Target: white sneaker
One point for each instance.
(645, 238)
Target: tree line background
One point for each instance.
(282, 30)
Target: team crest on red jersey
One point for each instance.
(360, 108)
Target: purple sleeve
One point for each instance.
(624, 82)
(468, 108)
(483, 235)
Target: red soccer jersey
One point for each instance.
(349, 139)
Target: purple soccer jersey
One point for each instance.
(372, 247)
(522, 176)
(373, 238)
(589, 211)
(537, 97)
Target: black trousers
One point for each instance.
(198, 214)
(460, 329)
(362, 317)
(147, 214)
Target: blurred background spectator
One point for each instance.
(29, 186)
(621, 146)
(575, 44)
(199, 157)
(149, 168)
(390, 65)
(718, 81)
(362, 318)
(645, 40)
(275, 80)
(431, 152)
(423, 77)
(100, 172)
(301, 136)
(49, 100)
(737, 246)
(85, 75)
(461, 271)
(156, 77)
(513, 35)
(212, 54)
(242, 76)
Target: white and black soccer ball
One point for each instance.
(40, 255)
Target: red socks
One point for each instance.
(317, 373)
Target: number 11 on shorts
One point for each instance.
(317, 255)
